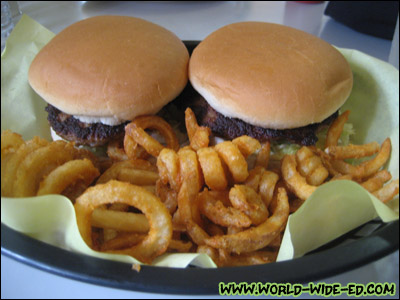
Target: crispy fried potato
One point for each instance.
(12, 166)
(294, 180)
(120, 220)
(196, 198)
(376, 181)
(267, 186)
(263, 155)
(73, 171)
(115, 152)
(247, 145)
(136, 131)
(387, 193)
(352, 151)
(254, 178)
(213, 171)
(189, 167)
(167, 195)
(160, 233)
(38, 164)
(366, 168)
(258, 237)
(186, 197)
(134, 171)
(335, 130)
(247, 200)
(199, 136)
(310, 166)
(215, 210)
(10, 142)
(234, 159)
(168, 168)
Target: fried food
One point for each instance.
(186, 201)
(168, 168)
(167, 195)
(213, 171)
(336, 128)
(263, 155)
(254, 178)
(133, 150)
(247, 200)
(234, 159)
(376, 181)
(156, 241)
(245, 259)
(121, 241)
(367, 168)
(136, 131)
(11, 167)
(139, 172)
(180, 246)
(352, 151)
(199, 136)
(201, 198)
(267, 186)
(115, 152)
(387, 192)
(213, 206)
(70, 173)
(120, 220)
(189, 167)
(247, 145)
(39, 164)
(294, 180)
(10, 142)
(27, 165)
(311, 167)
(257, 237)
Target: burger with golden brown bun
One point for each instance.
(102, 72)
(268, 81)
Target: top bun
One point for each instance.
(270, 75)
(111, 66)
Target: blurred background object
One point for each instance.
(376, 18)
(7, 24)
(10, 15)
(394, 51)
(15, 11)
(306, 17)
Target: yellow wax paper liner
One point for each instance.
(333, 209)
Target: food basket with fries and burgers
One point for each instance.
(257, 160)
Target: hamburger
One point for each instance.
(102, 72)
(268, 81)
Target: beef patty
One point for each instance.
(71, 129)
(230, 128)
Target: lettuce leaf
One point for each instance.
(278, 150)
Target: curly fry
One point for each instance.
(294, 180)
(257, 237)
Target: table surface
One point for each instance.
(192, 20)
